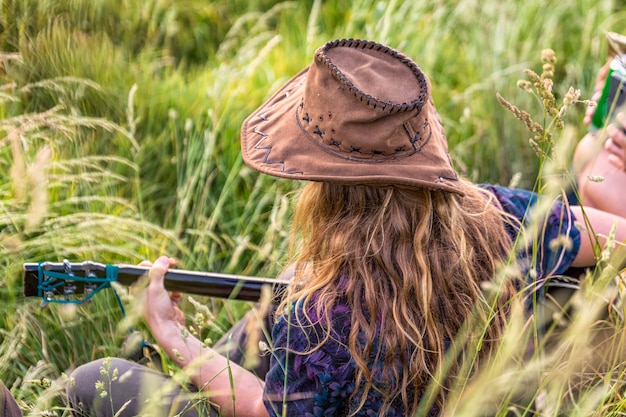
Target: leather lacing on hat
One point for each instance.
(268, 150)
(373, 101)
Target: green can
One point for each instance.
(613, 94)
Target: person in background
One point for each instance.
(600, 156)
(392, 252)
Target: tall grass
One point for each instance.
(119, 125)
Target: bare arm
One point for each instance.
(208, 369)
(601, 223)
(592, 160)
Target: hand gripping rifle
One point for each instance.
(76, 283)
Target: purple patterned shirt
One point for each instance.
(321, 381)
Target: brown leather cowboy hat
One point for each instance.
(360, 114)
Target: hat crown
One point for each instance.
(379, 76)
(363, 101)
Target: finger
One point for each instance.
(616, 154)
(591, 107)
(612, 148)
(146, 262)
(176, 297)
(614, 134)
(588, 115)
(157, 271)
(596, 95)
(616, 161)
(618, 139)
(180, 316)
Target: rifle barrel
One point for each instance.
(239, 287)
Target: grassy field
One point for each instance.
(119, 141)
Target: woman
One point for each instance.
(392, 251)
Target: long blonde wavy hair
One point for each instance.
(414, 261)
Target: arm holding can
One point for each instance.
(600, 164)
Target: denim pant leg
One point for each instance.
(113, 386)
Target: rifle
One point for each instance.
(77, 283)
